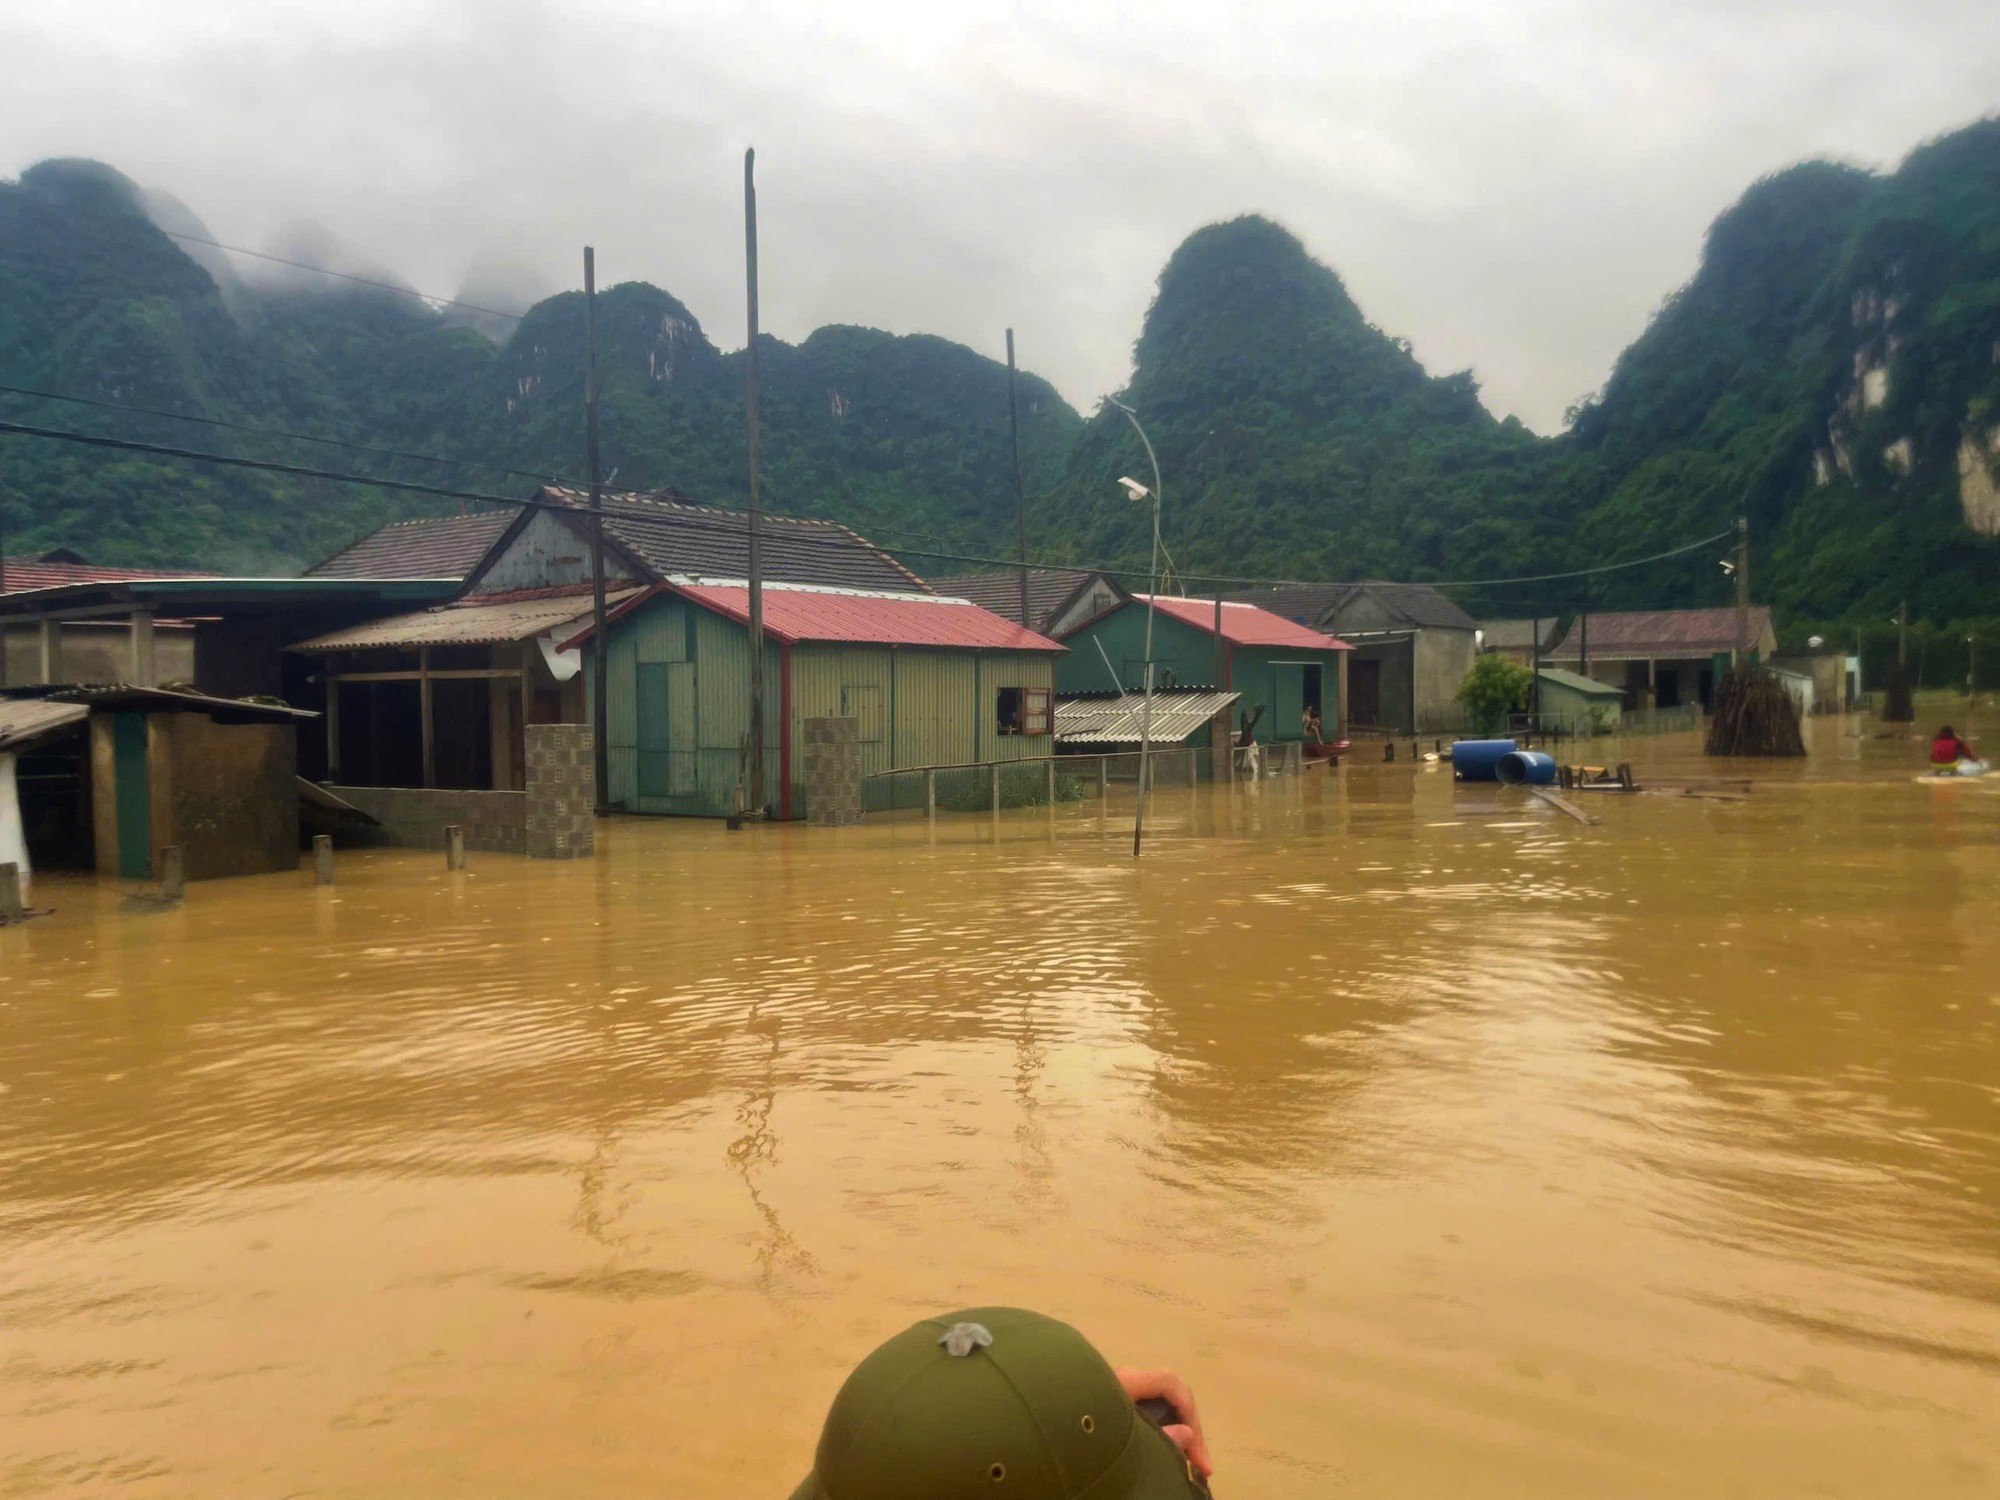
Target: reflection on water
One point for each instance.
(1449, 1145)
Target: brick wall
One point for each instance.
(562, 791)
(415, 817)
(833, 772)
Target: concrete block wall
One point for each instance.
(416, 817)
(562, 791)
(833, 772)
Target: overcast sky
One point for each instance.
(1511, 184)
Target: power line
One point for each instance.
(381, 286)
(644, 512)
(274, 432)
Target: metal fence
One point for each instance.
(994, 785)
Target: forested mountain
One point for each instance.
(1831, 370)
(897, 435)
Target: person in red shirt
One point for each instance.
(1948, 749)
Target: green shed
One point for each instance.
(1580, 705)
(1266, 659)
(931, 681)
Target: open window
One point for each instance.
(1023, 710)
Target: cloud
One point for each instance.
(1512, 186)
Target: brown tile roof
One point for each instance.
(1049, 589)
(440, 547)
(1665, 632)
(475, 622)
(675, 539)
(1319, 604)
(24, 574)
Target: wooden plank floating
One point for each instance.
(1561, 804)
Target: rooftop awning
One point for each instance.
(470, 624)
(1118, 720)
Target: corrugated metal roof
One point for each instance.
(1664, 632)
(1244, 624)
(1049, 589)
(795, 613)
(26, 720)
(675, 539)
(439, 547)
(1578, 683)
(154, 700)
(471, 624)
(24, 575)
(1109, 720)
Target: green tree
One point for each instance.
(1494, 688)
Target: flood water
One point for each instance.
(1450, 1147)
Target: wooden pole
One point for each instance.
(1052, 781)
(1103, 781)
(1742, 592)
(995, 769)
(322, 859)
(12, 909)
(1020, 492)
(756, 579)
(1903, 634)
(332, 728)
(424, 708)
(454, 847)
(600, 713)
(930, 796)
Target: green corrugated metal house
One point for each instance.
(1580, 705)
(1265, 658)
(931, 681)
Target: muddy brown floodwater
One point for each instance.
(1449, 1146)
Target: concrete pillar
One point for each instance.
(12, 906)
(454, 847)
(143, 671)
(173, 873)
(51, 664)
(322, 859)
(930, 796)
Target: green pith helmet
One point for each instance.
(992, 1403)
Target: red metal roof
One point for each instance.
(798, 612)
(24, 576)
(1244, 624)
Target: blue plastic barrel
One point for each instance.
(1473, 760)
(1525, 768)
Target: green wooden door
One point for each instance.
(655, 773)
(682, 778)
(135, 796)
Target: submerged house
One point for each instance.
(81, 648)
(1270, 662)
(440, 701)
(1411, 649)
(1663, 658)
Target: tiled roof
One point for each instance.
(1415, 604)
(1244, 624)
(22, 576)
(1049, 589)
(678, 540)
(1116, 718)
(440, 547)
(1664, 632)
(1519, 635)
(475, 623)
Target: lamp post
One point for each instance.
(1138, 491)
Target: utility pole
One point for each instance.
(1742, 655)
(600, 715)
(1535, 667)
(1583, 642)
(1020, 502)
(1903, 635)
(1971, 665)
(756, 580)
(1152, 594)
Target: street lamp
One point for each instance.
(1138, 492)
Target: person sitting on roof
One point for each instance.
(999, 1401)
